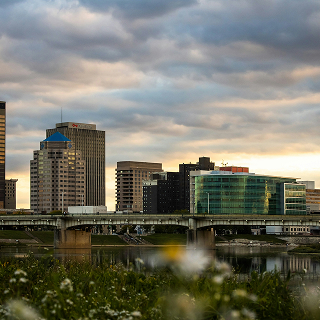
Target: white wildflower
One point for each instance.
(23, 280)
(185, 261)
(217, 296)
(69, 302)
(240, 293)
(224, 268)
(20, 310)
(92, 312)
(218, 279)
(66, 285)
(13, 280)
(235, 314)
(247, 313)
(20, 272)
(138, 260)
(252, 297)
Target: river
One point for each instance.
(243, 259)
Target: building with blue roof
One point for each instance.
(57, 175)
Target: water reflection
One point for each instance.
(78, 255)
(243, 259)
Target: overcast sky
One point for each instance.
(169, 81)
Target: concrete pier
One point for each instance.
(197, 238)
(72, 239)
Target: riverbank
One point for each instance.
(46, 238)
(179, 288)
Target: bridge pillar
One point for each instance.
(71, 239)
(202, 239)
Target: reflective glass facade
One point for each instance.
(248, 194)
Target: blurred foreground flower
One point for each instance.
(186, 261)
(182, 306)
(66, 285)
(17, 309)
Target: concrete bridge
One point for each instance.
(74, 231)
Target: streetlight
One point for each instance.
(208, 203)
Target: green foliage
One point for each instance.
(310, 248)
(13, 234)
(82, 290)
(47, 237)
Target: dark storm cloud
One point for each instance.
(138, 9)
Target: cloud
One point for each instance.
(139, 9)
(167, 80)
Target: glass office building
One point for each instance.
(245, 193)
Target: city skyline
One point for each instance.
(167, 81)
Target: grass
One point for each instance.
(47, 237)
(166, 239)
(265, 237)
(107, 240)
(13, 234)
(75, 290)
(311, 248)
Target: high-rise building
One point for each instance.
(184, 172)
(11, 194)
(91, 143)
(2, 153)
(129, 178)
(57, 175)
(161, 193)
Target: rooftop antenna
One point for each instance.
(224, 164)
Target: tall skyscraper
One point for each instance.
(129, 177)
(57, 175)
(91, 143)
(2, 153)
